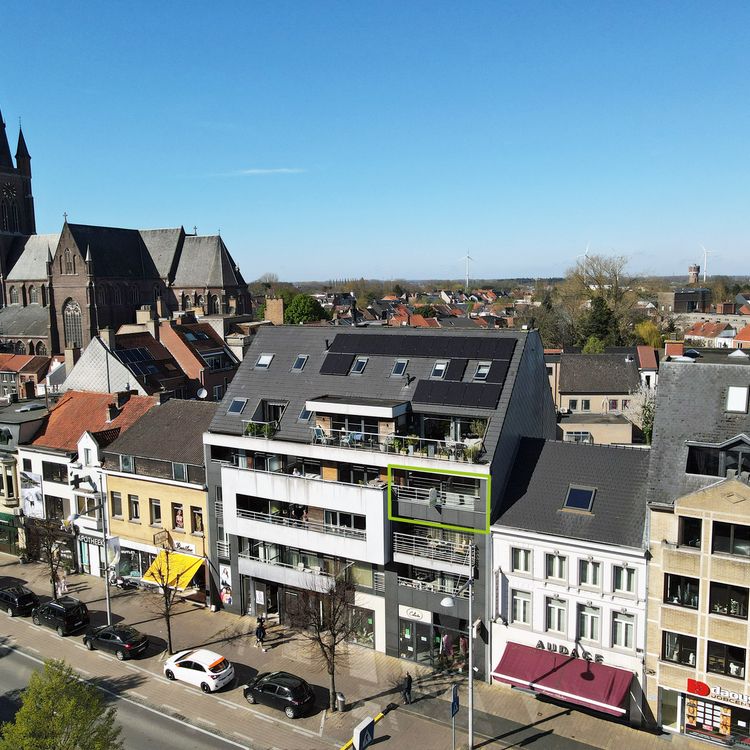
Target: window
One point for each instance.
(52, 472)
(626, 403)
(578, 436)
(623, 630)
(218, 392)
(679, 648)
(13, 295)
(731, 538)
(179, 472)
(304, 415)
(725, 659)
(359, 366)
(520, 609)
(263, 361)
(589, 573)
(623, 579)
(573, 404)
(681, 590)
(588, 622)
(556, 566)
(613, 404)
(155, 510)
(703, 460)
(126, 464)
(33, 295)
(549, 371)
(87, 456)
(86, 506)
(728, 600)
(196, 520)
(690, 531)
(344, 520)
(72, 325)
(69, 265)
(579, 498)
(399, 368)
(237, 406)
(557, 615)
(482, 371)
(299, 363)
(520, 560)
(134, 507)
(178, 518)
(737, 399)
(438, 369)
(27, 464)
(585, 404)
(116, 504)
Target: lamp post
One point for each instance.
(449, 601)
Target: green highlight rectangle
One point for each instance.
(434, 524)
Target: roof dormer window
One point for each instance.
(263, 362)
(359, 366)
(438, 369)
(482, 371)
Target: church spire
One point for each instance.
(23, 158)
(5, 159)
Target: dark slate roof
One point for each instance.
(205, 261)
(116, 253)
(163, 245)
(543, 471)
(5, 160)
(29, 262)
(170, 432)
(690, 405)
(597, 373)
(19, 321)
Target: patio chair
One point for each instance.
(319, 436)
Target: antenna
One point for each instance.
(706, 253)
(202, 393)
(467, 258)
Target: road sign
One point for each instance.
(364, 734)
(454, 701)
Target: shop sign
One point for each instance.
(95, 540)
(573, 653)
(412, 613)
(696, 687)
(183, 546)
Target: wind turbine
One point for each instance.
(585, 257)
(467, 258)
(706, 253)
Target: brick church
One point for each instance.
(58, 290)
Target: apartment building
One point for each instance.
(699, 574)
(381, 454)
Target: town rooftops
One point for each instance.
(594, 493)
(598, 373)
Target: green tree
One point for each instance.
(640, 410)
(600, 322)
(648, 332)
(60, 712)
(304, 309)
(593, 345)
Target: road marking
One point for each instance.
(206, 721)
(35, 650)
(139, 695)
(81, 646)
(83, 671)
(102, 656)
(322, 722)
(243, 736)
(226, 703)
(132, 668)
(263, 718)
(170, 708)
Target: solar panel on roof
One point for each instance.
(456, 369)
(336, 364)
(498, 371)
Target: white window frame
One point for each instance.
(439, 369)
(737, 399)
(296, 366)
(184, 477)
(558, 568)
(302, 418)
(482, 371)
(360, 363)
(520, 607)
(264, 361)
(242, 404)
(127, 464)
(629, 577)
(153, 503)
(589, 623)
(623, 626)
(402, 370)
(585, 568)
(523, 557)
(556, 615)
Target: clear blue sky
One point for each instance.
(387, 139)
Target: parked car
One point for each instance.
(122, 640)
(65, 615)
(282, 690)
(206, 669)
(18, 600)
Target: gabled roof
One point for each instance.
(647, 358)
(163, 245)
(598, 373)
(100, 371)
(743, 334)
(545, 469)
(78, 412)
(206, 262)
(29, 261)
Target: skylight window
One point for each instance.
(737, 399)
(299, 363)
(237, 406)
(399, 368)
(483, 370)
(304, 415)
(359, 366)
(439, 368)
(579, 498)
(263, 361)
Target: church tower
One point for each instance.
(16, 199)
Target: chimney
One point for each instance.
(112, 412)
(122, 398)
(72, 355)
(107, 335)
(275, 310)
(144, 316)
(674, 348)
(161, 308)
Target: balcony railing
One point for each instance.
(432, 548)
(301, 525)
(300, 567)
(222, 549)
(434, 496)
(378, 581)
(258, 428)
(447, 586)
(469, 449)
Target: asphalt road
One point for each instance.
(141, 727)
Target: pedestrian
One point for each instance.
(63, 583)
(406, 689)
(260, 634)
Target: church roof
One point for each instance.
(29, 259)
(163, 246)
(22, 322)
(21, 150)
(206, 262)
(5, 158)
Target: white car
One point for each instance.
(206, 669)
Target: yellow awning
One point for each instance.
(173, 569)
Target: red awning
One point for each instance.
(567, 678)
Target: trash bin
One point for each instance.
(340, 702)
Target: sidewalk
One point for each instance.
(370, 681)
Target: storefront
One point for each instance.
(432, 639)
(135, 558)
(91, 553)
(184, 572)
(8, 534)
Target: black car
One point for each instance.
(122, 640)
(281, 690)
(18, 600)
(65, 615)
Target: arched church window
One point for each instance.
(33, 296)
(41, 349)
(20, 347)
(69, 267)
(13, 295)
(118, 295)
(213, 305)
(72, 325)
(4, 217)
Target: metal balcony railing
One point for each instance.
(314, 570)
(433, 548)
(378, 581)
(300, 525)
(222, 549)
(449, 586)
(258, 428)
(433, 496)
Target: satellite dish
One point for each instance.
(202, 393)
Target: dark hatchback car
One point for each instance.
(121, 640)
(18, 600)
(65, 615)
(281, 690)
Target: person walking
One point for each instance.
(260, 634)
(406, 689)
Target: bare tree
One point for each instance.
(166, 593)
(640, 410)
(43, 543)
(323, 613)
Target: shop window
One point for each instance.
(681, 590)
(679, 648)
(690, 531)
(520, 607)
(362, 626)
(520, 560)
(731, 538)
(556, 620)
(728, 600)
(726, 660)
(556, 567)
(155, 507)
(196, 520)
(134, 508)
(589, 573)
(178, 517)
(623, 579)
(623, 630)
(116, 504)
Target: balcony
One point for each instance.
(274, 570)
(293, 523)
(435, 497)
(432, 548)
(222, 549)
(445, 585)
(258, 428)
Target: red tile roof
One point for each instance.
(80, 411)
(647, 357)
(743, 334)
(744, 310)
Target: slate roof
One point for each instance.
(690, 405)
(19, 321)
(170, 432)
(543, 471)
(163, 245)
(205, 261)
(100, 371)
(597, 373)
(78, 412)
(116, 253)
(29, 259)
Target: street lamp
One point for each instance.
(449, 601)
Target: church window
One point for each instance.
(41, 349)
(213, 305)
(118, 295)
(199, 301)
(33, 295)
(13, 296)
(69, 265)
(44, 295)
(20, 347)
(100, 295)
(188, 303)
(14, 223)
(72, 324)
(4, 217)
(134, 295)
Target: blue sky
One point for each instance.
(387, 139)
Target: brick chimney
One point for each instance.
(122, 398)
(674, 348)
(275, 310)
(107, 335)
(112, 412)
(144, 316)
(72, 355)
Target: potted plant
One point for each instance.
(471, 453)
(268, 430)
(411, 443)
(477, 427)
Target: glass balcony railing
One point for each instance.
(433, 548)
(300, 567)
(434, 496)
(302, 525)
(449, 586)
